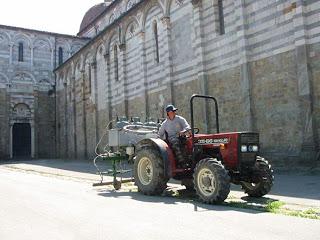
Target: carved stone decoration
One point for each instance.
(107, 57)
(100, 50)
(132, 30)
(93, 64)
(166, 22)
(130, 4)
(112, 18)
(42, 45)
(141, 35)
(2, 39)
(21, 110)
(122, 47)
(120, 11)
(44, 81)
(2, 79)
(44, 85)
(22, 77)
(179, 2)
(195, 3)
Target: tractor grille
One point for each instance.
(248, 159)
(250, 138)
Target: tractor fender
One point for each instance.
(164, 150)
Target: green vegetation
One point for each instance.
(274, 206)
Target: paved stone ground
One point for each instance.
(299, 190)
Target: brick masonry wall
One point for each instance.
(276, 107)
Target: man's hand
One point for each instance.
(186, 133)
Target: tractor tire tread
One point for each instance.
(222, 178)
(159, 182)
(265, 171)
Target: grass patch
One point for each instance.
(274, 206)
(309, 213)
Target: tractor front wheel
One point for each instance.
(265, 177)
(149, 172)
(211, 181)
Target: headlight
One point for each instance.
(253, 148)
(244, 148)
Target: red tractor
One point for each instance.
(214, 161)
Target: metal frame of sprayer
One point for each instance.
(120, 148)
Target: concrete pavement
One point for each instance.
(36, 207)
(298, 189)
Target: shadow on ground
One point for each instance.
(174, 196)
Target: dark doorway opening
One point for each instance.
(21, 142)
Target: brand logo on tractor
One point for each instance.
(213, 141)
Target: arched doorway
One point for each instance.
(21, 140)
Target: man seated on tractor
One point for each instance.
(172, 129)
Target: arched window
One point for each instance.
(20, 54)
(221, 17)
(60, 56)
(116, 63)
(156, 40)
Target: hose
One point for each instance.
(101, 155)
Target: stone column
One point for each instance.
(143, 70)
(73, 95)
(66, 122)
(123, 76)
(84, 114)
(31, 50)
(52, 59)
(11, 140)
(94, 82)
(32, 124)
(245, 71)
(168, 58)
(108, 76)
(198, 46)
(57, 117)
(11, 53)
(310, 138)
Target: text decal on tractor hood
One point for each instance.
(213, 141)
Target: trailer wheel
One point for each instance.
(211, 181)
(149, 172)
(265, 177)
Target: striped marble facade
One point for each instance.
(263, 68)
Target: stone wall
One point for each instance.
(314, 61)
(262, 67)
(46, 125)
(4, 151)
(27, 87)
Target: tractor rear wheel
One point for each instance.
(211, 181)
(265, 176)
(149, 173)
